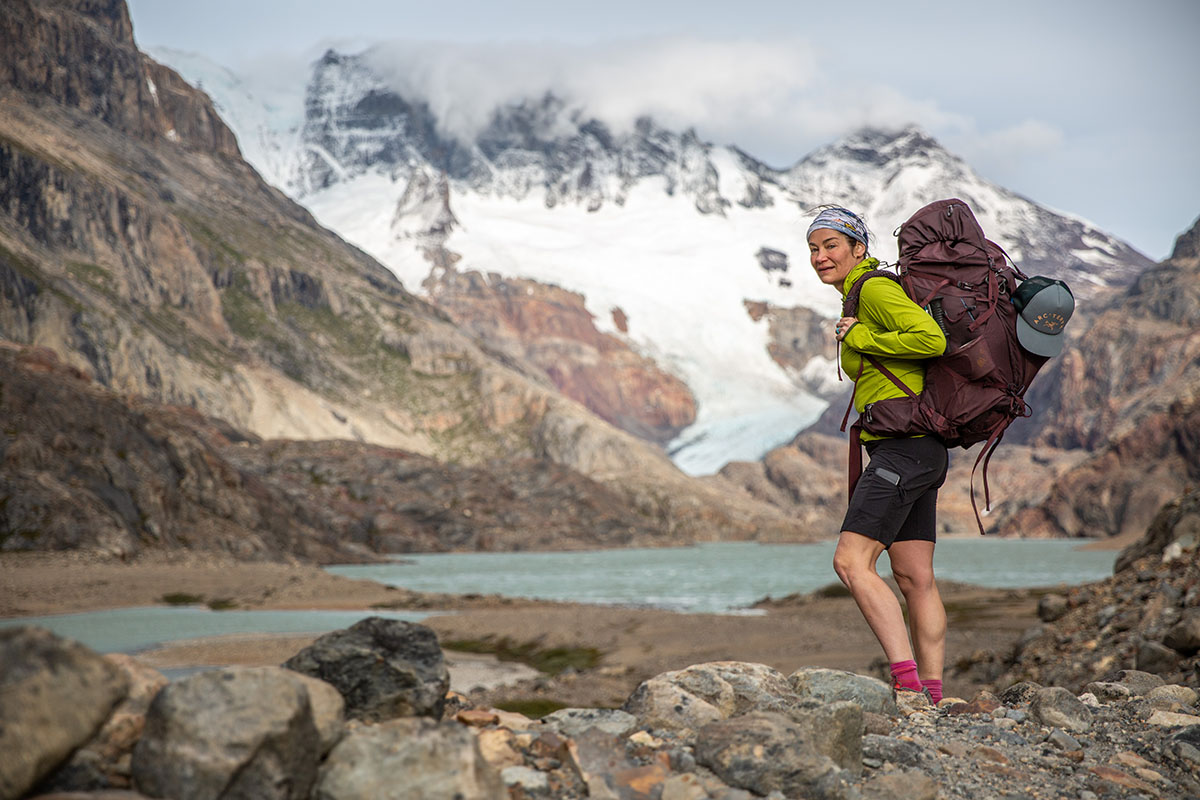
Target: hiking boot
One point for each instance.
(911, 701)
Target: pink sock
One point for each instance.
(904, 675)
(935, 689)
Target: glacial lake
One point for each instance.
(716, 578)
(721, 577)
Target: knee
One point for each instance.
(847, 568)
(909, 582)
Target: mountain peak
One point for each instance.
(877, 147)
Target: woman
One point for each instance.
(894, 503)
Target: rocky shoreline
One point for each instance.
(365, 712)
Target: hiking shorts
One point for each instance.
(896, 497)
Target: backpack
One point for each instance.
(976, 389)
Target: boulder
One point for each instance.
(1156, 658)
(690, 698)
(571, 722)
(54, 695)
(1020, 693)
(1184, 636)
(658, 703)
(829, 685)
(1139, 683)
(103, 762)
(328, 710)
(1052, 607)
(408, 759)
(384, 668)
(765, 752)
(1056, 707)
(835, 730)
(240, 732)
(1171, 694)
(1108, 692)
(602, 761)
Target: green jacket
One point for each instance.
(896, 331)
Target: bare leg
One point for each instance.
(854, 561)
(912, 567)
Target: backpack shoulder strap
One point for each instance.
(850, 301)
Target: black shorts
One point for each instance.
(896, 497)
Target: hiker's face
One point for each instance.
(833, 255)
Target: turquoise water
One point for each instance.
(128, 630)
(720, 577)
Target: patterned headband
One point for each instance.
(840, 220)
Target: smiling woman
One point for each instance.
(893, 506)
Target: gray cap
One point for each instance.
(1044, 305)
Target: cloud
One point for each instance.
(771, 98)
(1030, 137)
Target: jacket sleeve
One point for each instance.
(891, 324)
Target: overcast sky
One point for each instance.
(1089, 107)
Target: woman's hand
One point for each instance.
(843, 327)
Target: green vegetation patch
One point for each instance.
(222, 603)
(832, 590)
(182, 599)
(550, 660)
(534, 708)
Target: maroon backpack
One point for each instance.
(976, 389)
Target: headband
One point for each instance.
(840, 220)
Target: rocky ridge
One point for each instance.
(1126, 392)
(551, 330)
(1146, 617)
(139, 246)
(82, 467)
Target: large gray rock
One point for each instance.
(408, 759)
(54, 695)
(244, 732)
(384, 668)
(1055, 707)
(1184, 636)
(571, 722)
(328, 710)
(1138, 682)
(828, 685)
(766, 751)
(103, 762)
(835, 730)
(1156, 658)
(690, 698)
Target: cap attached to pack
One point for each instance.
(1044, 306)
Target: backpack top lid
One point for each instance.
(1045, 305)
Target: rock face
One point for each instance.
(551, 329)
(1138, 619)
(83, 467)
(139, 246)
(244, 732)
(1126, 392)
(54, 696)
(383, 668)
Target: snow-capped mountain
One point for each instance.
(661, 226)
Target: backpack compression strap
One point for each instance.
(854, 460)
